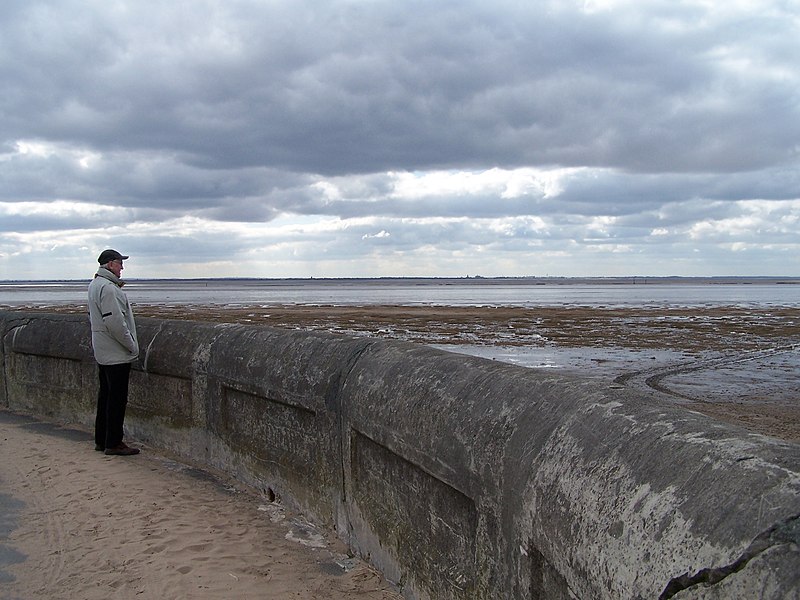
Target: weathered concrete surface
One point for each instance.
(561, 489)
(50, 370)
(459, 477)
(273, 415)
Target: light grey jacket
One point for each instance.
(113, 327)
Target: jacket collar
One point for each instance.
(105, 273)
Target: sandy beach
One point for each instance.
(75, 523)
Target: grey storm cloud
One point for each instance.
(355, 87)
(655, 116)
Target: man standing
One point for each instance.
(115, 347)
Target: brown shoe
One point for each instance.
(122, 450)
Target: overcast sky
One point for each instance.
(391, 138)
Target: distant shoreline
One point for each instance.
(472, 280)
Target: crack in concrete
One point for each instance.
(785, 532)
(147, 350)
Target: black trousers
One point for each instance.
(112, 399)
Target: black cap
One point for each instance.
(106, 256)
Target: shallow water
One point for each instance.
(604, 363)
(443, 292)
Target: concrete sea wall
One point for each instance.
(458, 477)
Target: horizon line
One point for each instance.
(434, 278)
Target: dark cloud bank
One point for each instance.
(651, 129)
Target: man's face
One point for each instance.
(115, 266)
